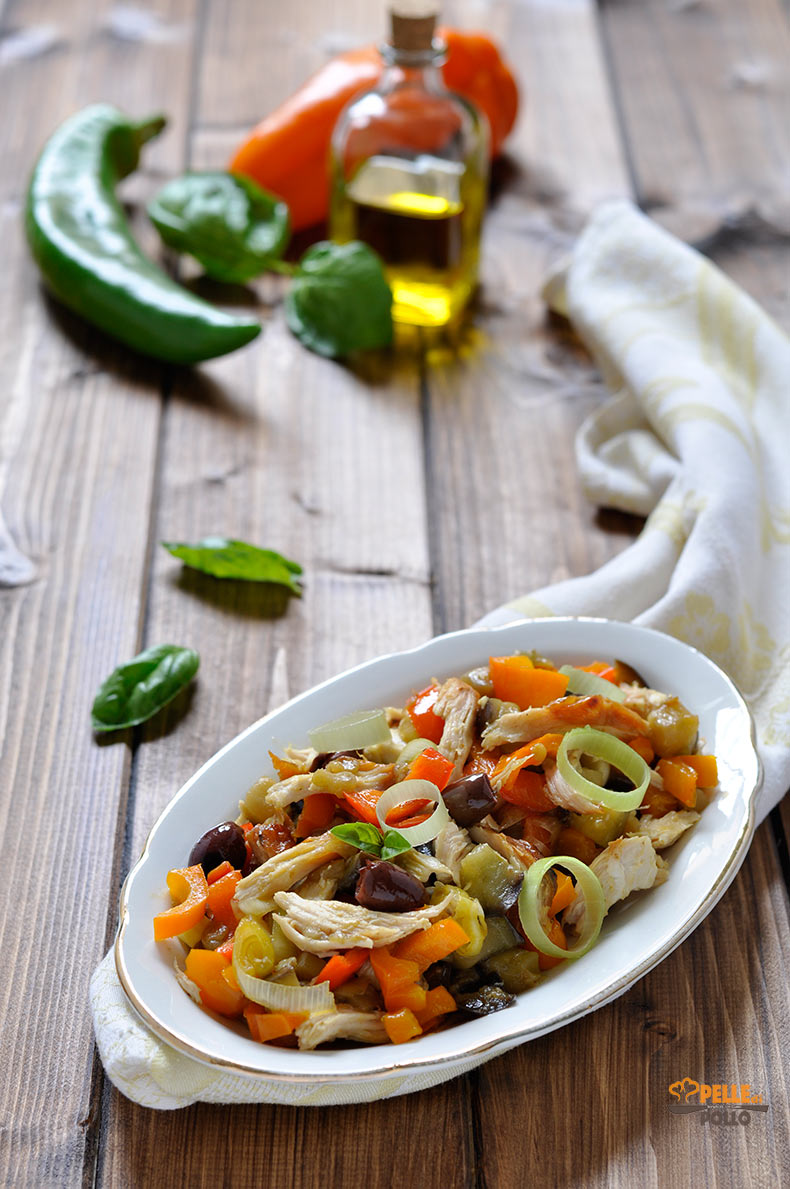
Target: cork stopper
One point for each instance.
(412, 26)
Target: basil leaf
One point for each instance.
(229, 224)
(136, 690)
(394, 844)
(225, 558)
(362, 835)
(339, 300)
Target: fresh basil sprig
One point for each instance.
(339, 300)
(136, 690)
(223, 557)
(369, 839)
(232, 227)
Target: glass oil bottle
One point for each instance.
(409, 177)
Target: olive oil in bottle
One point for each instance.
(409, 164)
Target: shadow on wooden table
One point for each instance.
(251, 600)
(103, 355)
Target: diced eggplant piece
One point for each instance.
(490, 879)
(672, 729)
(602, 827)
(500, 936)
(480, 680)
(518, 968)
(485, 1001)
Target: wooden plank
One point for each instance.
(78, 438)
(324, 463)
(704, 96)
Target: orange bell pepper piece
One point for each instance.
(431, 765)
(216, 873)
(220, 895)
(705, 767)
(341, 967)
(515, 679)
(642, 745)
(601, 669)
(401, 1026)
(205, 968)
(398, 979)
(555, 933)
(657, 802)
(362, 803)
(564, 893)
(438, 1002)
(268, 1025)
(189, 889)
(572, 842)
(528, 791)
(283, 768)
(426, 722)
(431, 944)
(480, 761)
(316, 815)
(679, 779)
(287, 152)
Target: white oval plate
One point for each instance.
(635, 937)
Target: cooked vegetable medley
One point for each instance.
(420, 866)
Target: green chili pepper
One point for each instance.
(81, 241)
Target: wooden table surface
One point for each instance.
(419, 490)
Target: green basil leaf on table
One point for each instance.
(339, 300)
(136, 690)
(362, 835)
(223, 557)
(393, 844)
(232, 227)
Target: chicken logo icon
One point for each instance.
(707, 1101)
(685, 1089)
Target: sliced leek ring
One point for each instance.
(596, 743)
(413, 790)
(584, 684)
(594, 906)
(352, 732)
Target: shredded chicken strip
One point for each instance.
(255, 893)
(642, 700)
(627, 865)
(325, 926)
(663, 831)
(322, 883)
(561, 793)
(285, 792)
(450, 846)
(456, 703)
(319, 1028)
(422, 866)
(563, 715)
(501, 843)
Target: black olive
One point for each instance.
(469, 799)
(386, 888)
(220, 843)
(439, 974)
(324, 757)
(484, 1001)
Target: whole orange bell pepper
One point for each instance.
(287, 152)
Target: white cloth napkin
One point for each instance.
(696, 436)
